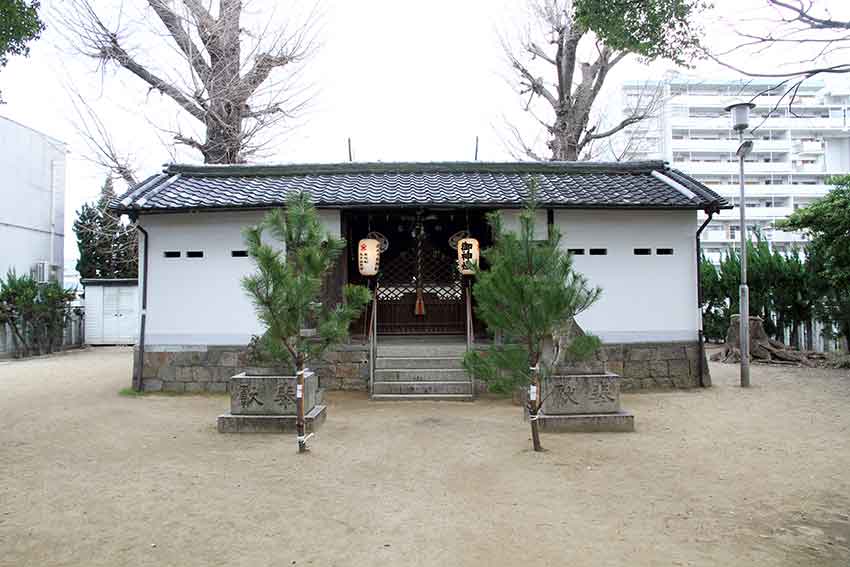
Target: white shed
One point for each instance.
(112, 311)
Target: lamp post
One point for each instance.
(740, 113)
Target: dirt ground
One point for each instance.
(713, 477)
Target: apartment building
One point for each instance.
(32, 214)
(796, 147)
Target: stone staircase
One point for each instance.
(421, 370)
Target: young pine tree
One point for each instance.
(529, 293)
(286, 290)
(287, 287)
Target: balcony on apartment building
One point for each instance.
(728, 146)
(702, 167)
(779, 191)
(721, 122)
(727, 237)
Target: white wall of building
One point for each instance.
(33, 168)
(644, 298)
(200, 301)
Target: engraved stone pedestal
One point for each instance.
(584, 403)
(266, 404)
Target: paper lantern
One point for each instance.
(368, 256)
(467, 255)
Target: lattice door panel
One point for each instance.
(442, 293)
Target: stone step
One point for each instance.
(434, 362)
(424, 350)
(421, 375)
(422, 397)
(430, 388)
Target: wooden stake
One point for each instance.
(299, 409)
(534, 408)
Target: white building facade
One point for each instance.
(32, 217)
(796, 148)
(631, 230)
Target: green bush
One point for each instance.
(35, 312)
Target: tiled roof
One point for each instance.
(646, 184)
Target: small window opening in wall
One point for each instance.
(643, 251)
(598, 251)
(239, 253)
(664, 251)
(171, 253)
(576, 251)
(195, 254)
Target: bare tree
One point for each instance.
(224, 76)
(800, 27)
(103, 149)
(570, 97)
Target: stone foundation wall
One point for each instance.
(643, 366)
(208, 368)
(649, 366)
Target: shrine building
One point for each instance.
(631, 228)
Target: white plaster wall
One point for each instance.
(644, 298)
(200, 300)
(510, 222)
(30, 162)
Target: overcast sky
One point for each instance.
(406, 80)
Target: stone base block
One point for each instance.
(229, 423)
(621, 421)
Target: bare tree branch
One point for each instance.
(231, 107)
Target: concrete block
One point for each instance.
(594, 393)
(229, 423)
(229, 359)
(168, 373)
(635, 369)
(659, 368)
(621, 421)
(185, 374)
(615, 366)
(151, 385)
(670, 353)
(346, 370)
(269, 395)
(174, 386)
(679, 368)
(636, 352)
(612, 353)
(217, 387)
(201, 374)
(195, 387)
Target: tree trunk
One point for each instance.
(795, 335)
(810, 335)
(299, 406)
(780, 328)
(762, 347)
(534, 403)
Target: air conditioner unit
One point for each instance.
(41, 272)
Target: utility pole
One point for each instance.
(740, 122)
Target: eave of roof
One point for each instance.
(339, 185)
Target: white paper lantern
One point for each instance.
(467, 255)
(368, 256)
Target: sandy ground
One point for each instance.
(712, 477)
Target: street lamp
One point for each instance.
(740, 113)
